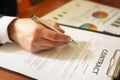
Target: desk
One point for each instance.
(46, 6)
(113, 3)
(40, 10)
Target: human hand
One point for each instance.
(34, 37)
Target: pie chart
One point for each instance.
(89, 26)
(100, 14)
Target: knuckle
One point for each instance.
(31, 43)
(55, 24)
(54, 37)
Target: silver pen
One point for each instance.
(41, 21)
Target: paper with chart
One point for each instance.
(90, 58)
(88, 15)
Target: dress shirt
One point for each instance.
(4, 23)
(9, 8)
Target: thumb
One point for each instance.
(55, 25)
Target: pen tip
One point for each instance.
(73, 41)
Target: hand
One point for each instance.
(34, 37)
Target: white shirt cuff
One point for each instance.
(4, 23)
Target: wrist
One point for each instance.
(11, 30)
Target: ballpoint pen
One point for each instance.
(41, 21)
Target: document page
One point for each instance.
(88, 59)
(87, 15)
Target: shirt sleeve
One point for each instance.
(4, 23)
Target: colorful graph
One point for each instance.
(100, 14)
(89, 26)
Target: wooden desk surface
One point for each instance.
(113, 3)
(40, 10)
(46, 6)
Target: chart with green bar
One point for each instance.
(88, 16)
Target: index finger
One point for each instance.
(54, 36)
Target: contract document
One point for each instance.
(89, 59)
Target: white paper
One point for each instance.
(89, 59)
(88, 15)
(70, 62)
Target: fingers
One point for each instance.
(54, 36)
(34, 37)
(43, 44)
(48, 43)
(55, 25)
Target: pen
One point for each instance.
(41, 21)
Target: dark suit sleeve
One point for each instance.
(1, 15)
(8, 7)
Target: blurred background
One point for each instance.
(24, 5)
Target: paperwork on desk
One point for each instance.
(89, 59)
(95, 57)
(87, 15)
